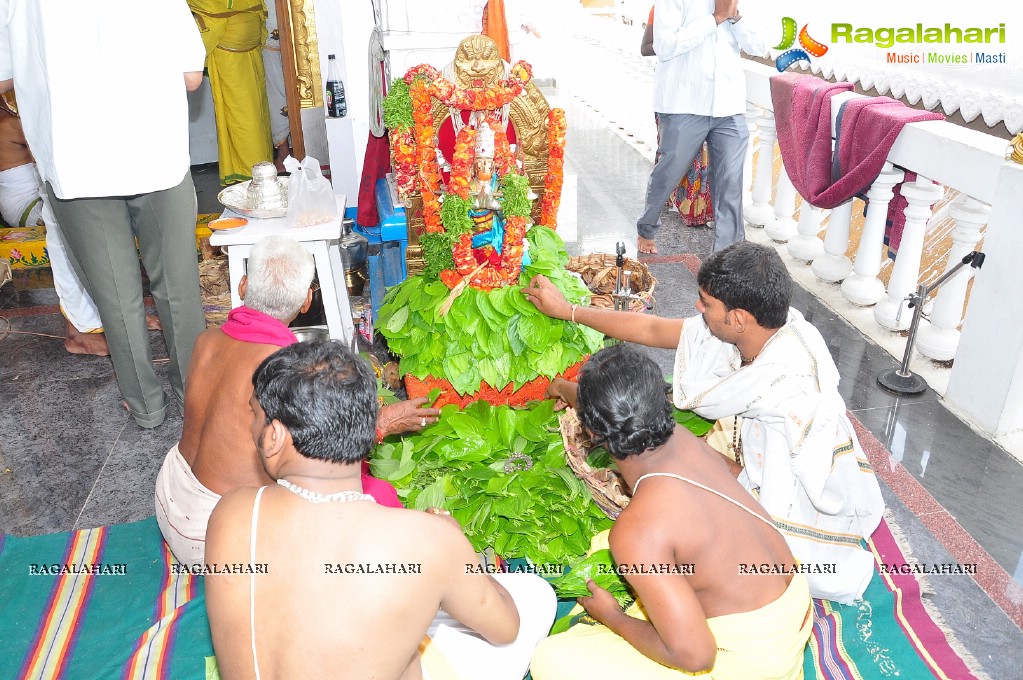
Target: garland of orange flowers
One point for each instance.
(404, 149)
(492, 98)
(461, 162)
(429, 174)
(556, 128)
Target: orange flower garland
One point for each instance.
(556, 128)
(461, 163)
(429, 174)
(403, 146)
(456, 97)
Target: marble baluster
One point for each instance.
(939, 336)
(759, 211)
(806, 245)
(832, 265)
(920, 195)
(863, 287)
(782, 227)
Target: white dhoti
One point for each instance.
(467, 656)
(183, 509)
(23, 203)
(21, 191)
(800, 453)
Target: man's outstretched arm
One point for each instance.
(643, 329)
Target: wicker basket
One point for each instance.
(605, 485)
(600, 274)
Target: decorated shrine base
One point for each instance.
(533, 390)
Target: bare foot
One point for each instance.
(646, 245)
(85, 343)
(153, 322)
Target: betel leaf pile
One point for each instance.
(599, 566)
(503, 475)
(497, 337)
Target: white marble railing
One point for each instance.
(982, 383)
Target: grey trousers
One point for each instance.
(101, 234)
(682, 135)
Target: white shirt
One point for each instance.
(101, 90)
(699, 70)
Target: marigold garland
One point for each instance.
(461, 161)
(556, 128)
(404, 151)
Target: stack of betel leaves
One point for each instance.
(502, 474)
(496, 337)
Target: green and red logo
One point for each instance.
(808, 46)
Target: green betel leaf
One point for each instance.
(398, 319)
(696, 424)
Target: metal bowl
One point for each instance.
(238, 198)
(311, 333)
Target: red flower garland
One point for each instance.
(404, 148)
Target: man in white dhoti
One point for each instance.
(280, 129)
(765, 373)
(23, 204)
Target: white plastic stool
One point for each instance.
(322, 240)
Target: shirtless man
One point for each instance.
(22, 205)
(723, 612)
(216, 453)
(313, 411)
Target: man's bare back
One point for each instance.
(216, 441)
(370, 624)
(703, 530)
(13, 147)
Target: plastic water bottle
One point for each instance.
(336, 105)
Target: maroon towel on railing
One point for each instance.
(802, 114)
(869, 128)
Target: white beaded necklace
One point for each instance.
(316, 497)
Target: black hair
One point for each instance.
(621, 401)
(752, 277)
(325, 395)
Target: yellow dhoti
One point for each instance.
(766, 644)
(233, 35)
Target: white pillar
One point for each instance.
(832, 265)
(806, 245)
(939, 338)
(752, 113)
(862, 287)
(920, 195)
(782, 227)
(986, 382)
(759, 212)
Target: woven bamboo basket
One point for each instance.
(605, 485)
(599, 273)
(215, 288)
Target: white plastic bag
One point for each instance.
(310, 196)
